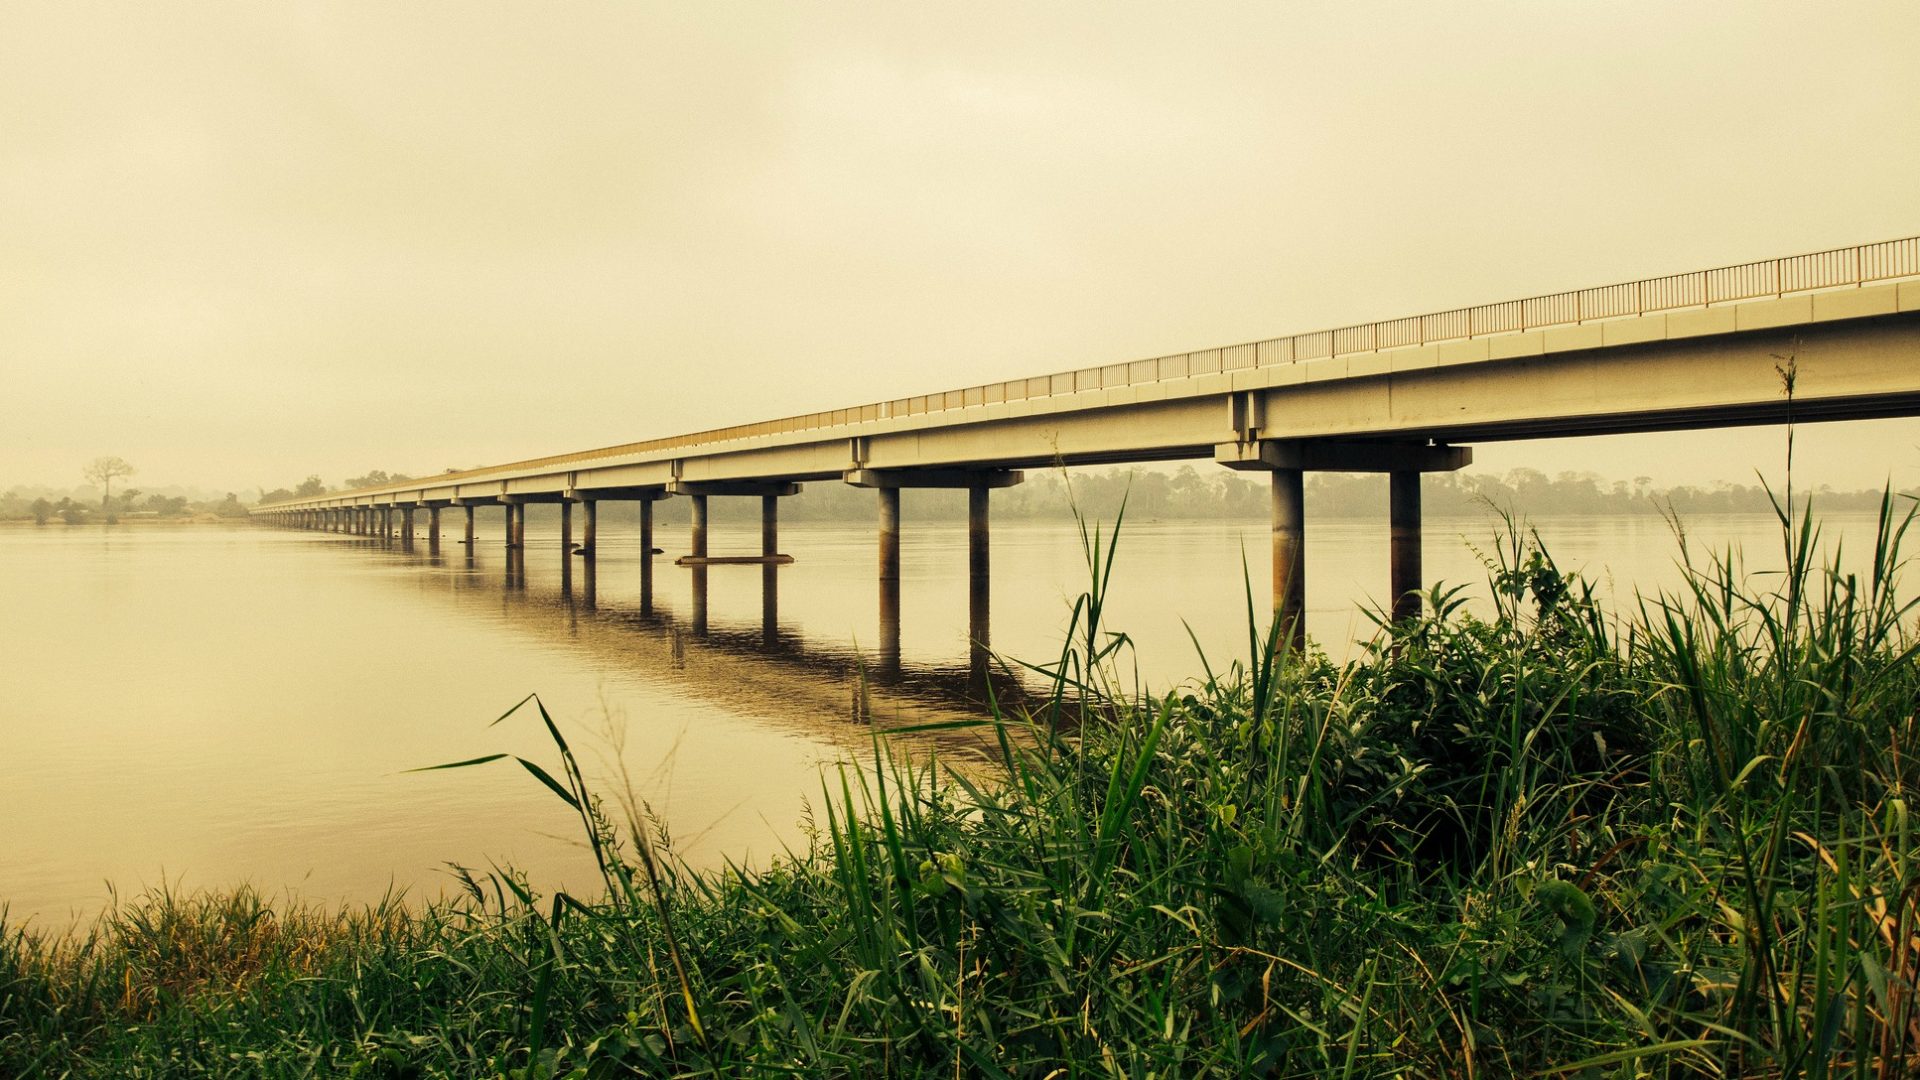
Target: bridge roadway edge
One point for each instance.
(1856, 354)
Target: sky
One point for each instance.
(241, 243)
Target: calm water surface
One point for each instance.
(204, 706)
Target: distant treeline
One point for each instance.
(1186, 493)
(1190, 493)
(27, 504)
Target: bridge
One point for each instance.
(1403, 396)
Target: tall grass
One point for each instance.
(1547, 841)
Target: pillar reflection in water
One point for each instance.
(769, 573)
(979, 583)
(589, 554)
(889, 579)
(646, 556)
(699, 546)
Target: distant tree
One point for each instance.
(70, 512)
(274, 496)
(104, 471)
(309, 487)
(231, 507)
(376, 477)
(42, 509)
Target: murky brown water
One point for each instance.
(206, 706)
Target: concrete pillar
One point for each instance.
(433, 529)
(979, 578)
(1403, 514)
(406, 527)
(469, 533)
(1290, 555)
(589, 582)
(566, 530)
(589, 528)
(889, 579)
(646, 556)
(769, 573)
(699, 545)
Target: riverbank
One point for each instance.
(1676, 843)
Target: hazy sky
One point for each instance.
(242, 242)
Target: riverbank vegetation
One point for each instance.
(1676, 841)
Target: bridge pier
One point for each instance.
(468, 537)
(589, 561)
(1290, 555)
(646, 556)
(406, 527)
(978, 482)
(697, 547)
(1290, 459)
(1403, 544)
(433, 528)
(979, 580)
(769, 570)
(889, 579)
(698, 559)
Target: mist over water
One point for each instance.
(211, 706)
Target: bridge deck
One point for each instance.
(1686, 350)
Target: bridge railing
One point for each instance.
(1837, 268)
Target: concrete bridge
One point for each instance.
(1403, 396)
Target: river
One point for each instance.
(203, 706)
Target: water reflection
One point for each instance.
(788, 671)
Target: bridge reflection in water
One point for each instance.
(607, 605)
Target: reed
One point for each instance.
(1552, 840)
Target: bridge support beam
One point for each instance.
(406, 527)
(1290, 555)
(697, 547)
(590, 560)
(433, 528)
(1403, 554)
(979, 577)
(979, 483)
(1289, 460)
(769, 492)
(769, 570)
(646, 556)
(468, 539)
(889, 579)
